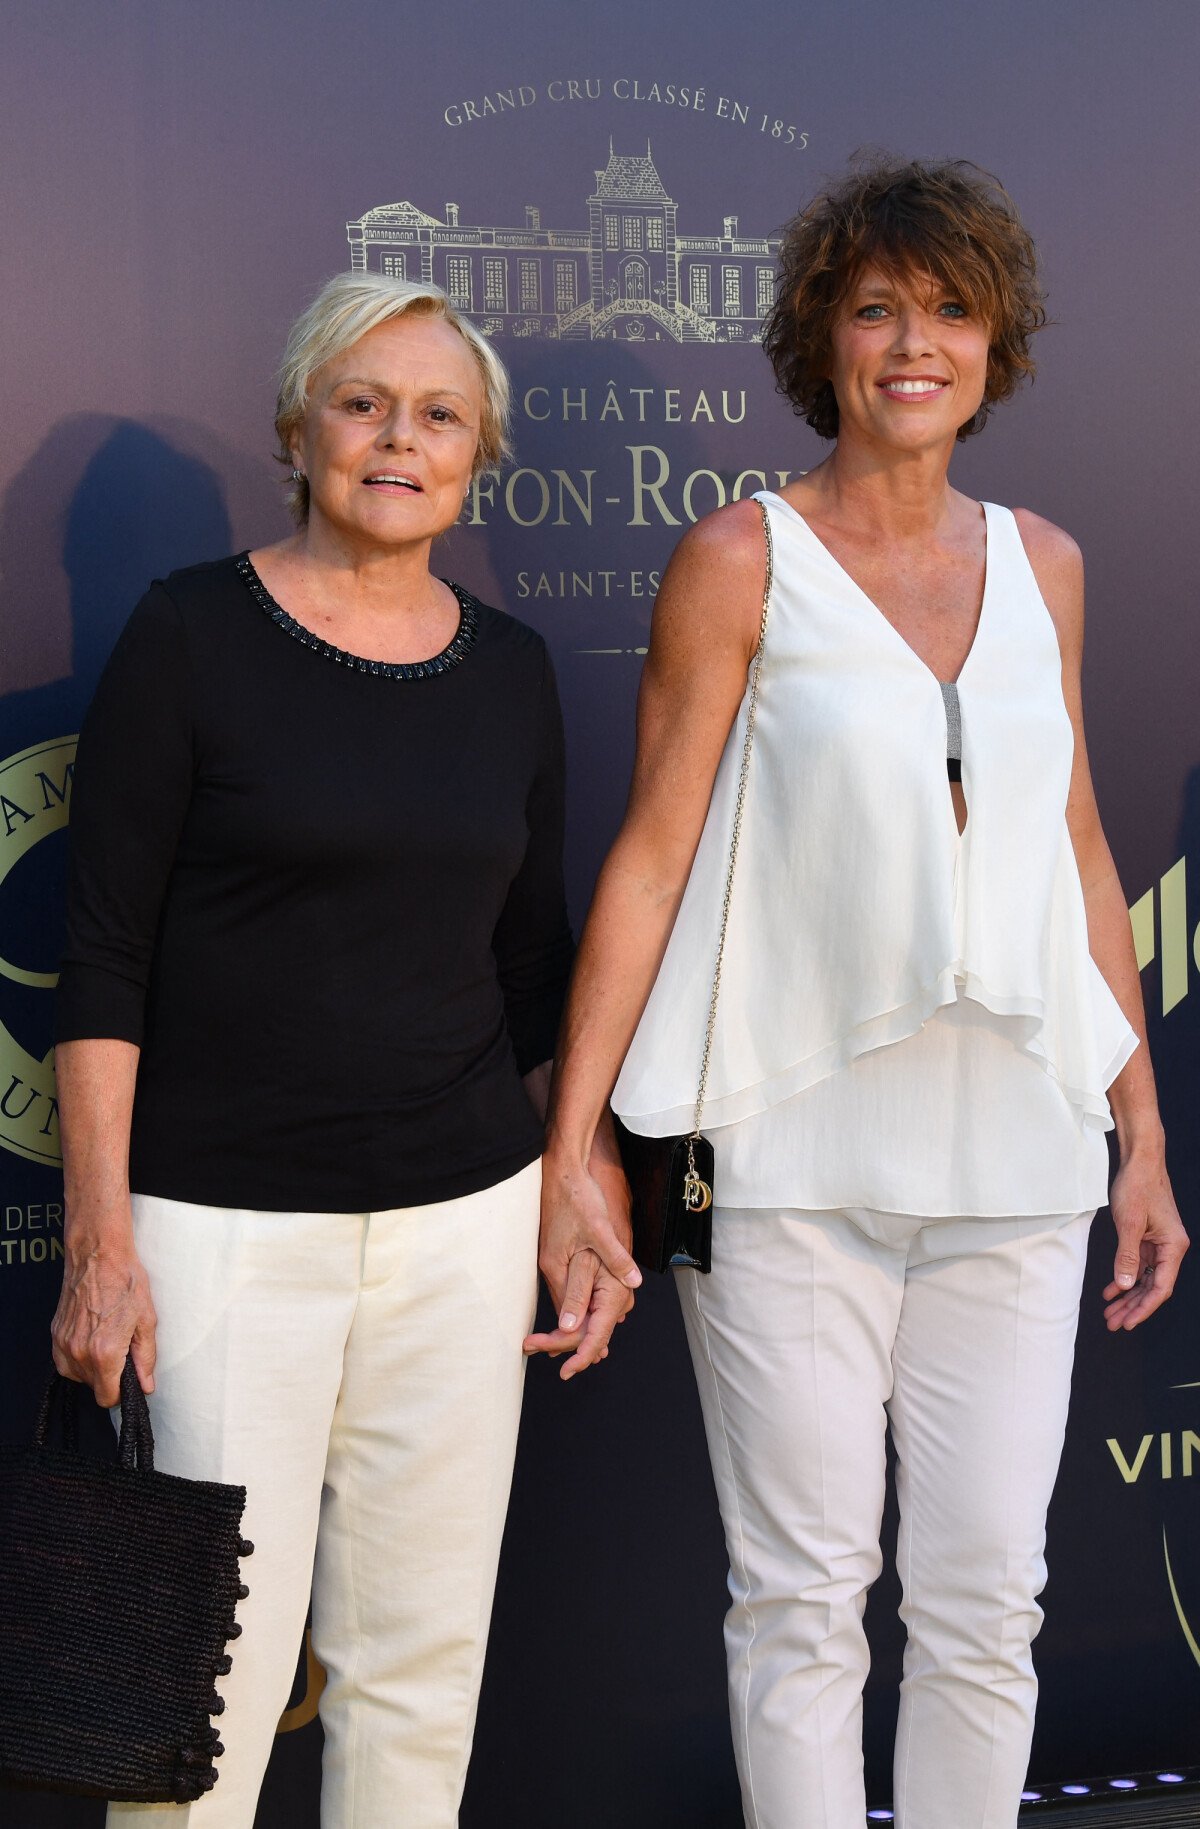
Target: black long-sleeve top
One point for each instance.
(325, 899)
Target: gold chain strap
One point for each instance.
(755, 670)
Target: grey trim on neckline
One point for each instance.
(953, 720)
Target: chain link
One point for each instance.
(752, 707)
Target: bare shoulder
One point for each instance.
(731, 538)
(1052, 551)
(1058, 567)
(714, 583)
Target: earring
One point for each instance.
(298, 476)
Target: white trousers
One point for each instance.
(812, 1331)
(360, 1374)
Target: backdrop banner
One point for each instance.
(603, 189)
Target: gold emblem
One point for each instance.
(1193, 1644)
(697, 1195)
(35, 796)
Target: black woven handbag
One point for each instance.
(671, 1178)
(118, 1587)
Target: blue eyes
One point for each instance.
(875, 314)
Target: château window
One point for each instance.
(393, 266)
(531, 286)
(495, 285)
(698, 290)
(731, 292)
(633, 231)
(656, 234)
(612, 232)
(458, 281)
(565, 295)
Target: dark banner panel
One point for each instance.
(604, 193)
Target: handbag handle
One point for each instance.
(135, 1447)
(739, 805)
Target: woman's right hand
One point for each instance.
(105, 1310)
(105, 1307)
(584, 1257)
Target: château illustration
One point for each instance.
(630, 273)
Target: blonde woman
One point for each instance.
(317, 945)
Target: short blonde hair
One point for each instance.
(345, 309)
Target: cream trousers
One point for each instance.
(815, 1329)
(360, 1374)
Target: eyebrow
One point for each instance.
(882, 289)
(383, 387)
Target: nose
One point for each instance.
(914, 336)
(399, 430)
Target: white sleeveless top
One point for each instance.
(909, 1019)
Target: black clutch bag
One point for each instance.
(117, 1594)
(670, 1183)
(671, 1178)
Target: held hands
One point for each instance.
(104, 1312)
(584, 1257)
(1151, 1243)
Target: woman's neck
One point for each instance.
(363, 577)
(381, 601)
(898, 495)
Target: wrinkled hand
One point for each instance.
(1151, 1243)
(585, 1259)
(104, 1312)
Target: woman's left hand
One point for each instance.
(1151, 1242)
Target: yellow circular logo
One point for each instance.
(35, 797)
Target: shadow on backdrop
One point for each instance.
(102, 506)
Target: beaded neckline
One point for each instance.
(450, 656)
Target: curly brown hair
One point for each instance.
(950, 221)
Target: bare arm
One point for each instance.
(704, 632)
(1151, 1238)
(105, 1306)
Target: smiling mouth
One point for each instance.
(388, 479)
(923, 389)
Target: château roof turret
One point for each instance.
(630, 179)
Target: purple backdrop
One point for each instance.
(604, 186)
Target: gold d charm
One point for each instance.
(697, 1195)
